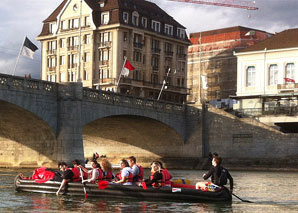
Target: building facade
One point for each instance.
(267, 74)
(212, 67)
(88, 40)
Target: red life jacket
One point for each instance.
(41, 175)
(129, 179)
(108, 176)
(159, 182)
(167, 175)
(76, 174)
(140, 176)
(99, 176)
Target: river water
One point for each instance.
(269, 191)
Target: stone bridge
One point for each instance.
(55, 115)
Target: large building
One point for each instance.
(212, 67)
(88, 40)
(267, 73)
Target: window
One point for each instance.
(73, 23)
(125, 17)
(155, 44)
(62, 60)
(51, 62)
(104, 37)
(124, 36)
(104, 55)
(52, 78)
(63, 25)
(62, 43)
(52, 45)
(273, 74)
(71, 76)
(181, 66)
(87, 21)
(137, 75)
(250, 76)
(135, 18)
(168, 29)
(168, 49)
(105, 73)
(155, 63)
(137, 56)
(85, 77)
(52, 27)
(144, 22)
(105, 18)
(73, 41)
(154, 78)
(290, 71)
(155, 26)
(86, 57)
(87, 39)
(72, 61)
(180, 33)
(62, 77)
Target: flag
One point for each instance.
(289, 80)
(28, 48)
(126, 68)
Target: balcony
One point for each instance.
(104, 63)
(52, 52)
(289, 111)
(155, 51)
(291, 87)
(104, 81)
(181, 55)
(51, 69)
(169, 53)
(105, 44)
(138, 45)
(74, 47)
(71, 66)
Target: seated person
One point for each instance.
(107, 170)
(157, 179)
(67, 175)
(167, 175)
(219, 176)
(137, 170)
(95, 172)
(126, 174)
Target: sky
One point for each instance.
(21, 18)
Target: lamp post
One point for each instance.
(164, 84)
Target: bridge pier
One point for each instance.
(69, 127)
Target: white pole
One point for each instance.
(163, 84)
(125, 58)
(15, 67)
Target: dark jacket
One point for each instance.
(215, 173)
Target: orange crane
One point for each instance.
(248, 5)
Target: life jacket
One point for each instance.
(41, 175)
(108, 176)
(166, 174)
(76, 174)
(99, 176)
(129, 179)
(159, 182)
(140, 176)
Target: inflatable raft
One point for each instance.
(176, 193)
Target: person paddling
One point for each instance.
(219, 176)
(67, 175)
(96, 172)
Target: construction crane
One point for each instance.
(248, 5)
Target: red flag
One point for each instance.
(289, 80)
(127, 67)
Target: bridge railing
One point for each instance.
(132, 101)
(21, 83)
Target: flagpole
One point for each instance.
(163, 84)
(15, 67)
(125, 59)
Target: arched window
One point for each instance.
(273, 74)
(135, 18)
(250, 76)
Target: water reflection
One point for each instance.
(270, 191)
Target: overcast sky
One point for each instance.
(21, 18)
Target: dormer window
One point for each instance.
(125, 17)
(73, 23)
(52, 27)
(155, 26)
(135, 18)
(180, 33)
(87, 21)
(63, 25)
(144, 22)
(168, 29)
(105, 18)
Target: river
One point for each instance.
(269, 192)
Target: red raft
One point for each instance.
(179, 192)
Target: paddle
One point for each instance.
(242, 199)
(82, 177)
(103, 184)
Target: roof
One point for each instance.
(285, 39)
(116, 7)
(223, 30)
